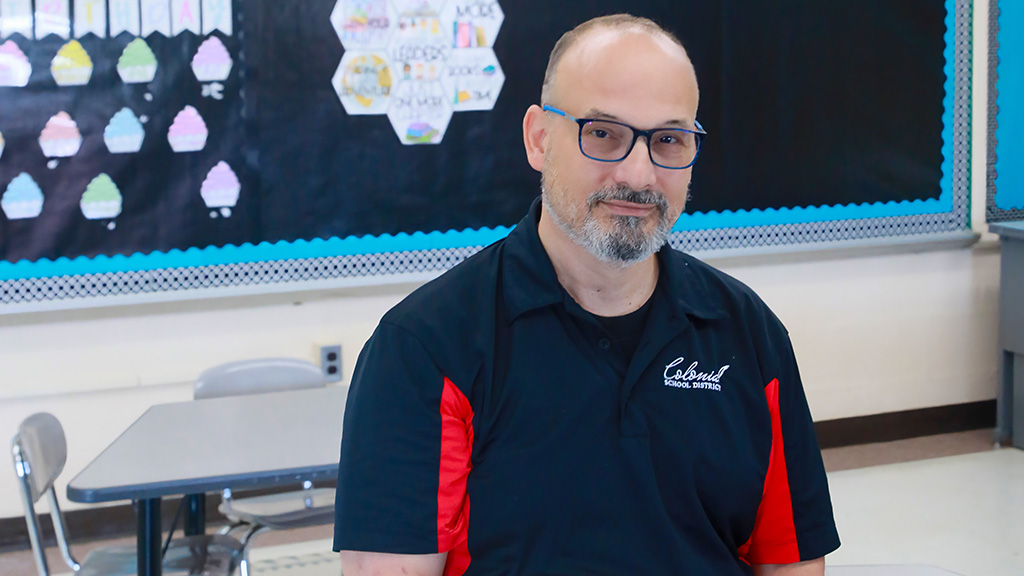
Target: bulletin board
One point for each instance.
(163, 146)
(1006, 112)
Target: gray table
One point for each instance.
(194, 447)
(1011, 332)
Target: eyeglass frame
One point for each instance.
(698, 134)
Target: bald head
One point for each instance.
(601, 30)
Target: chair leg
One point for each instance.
(229, 528)
(246, 539)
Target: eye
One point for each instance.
(599, 133)
(674, 139)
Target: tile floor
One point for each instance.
(950, 504)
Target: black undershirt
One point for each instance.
(625, 331)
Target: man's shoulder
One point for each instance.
(725, 292)
(454, 301)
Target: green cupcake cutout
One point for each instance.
(137, 64)
(102, 199)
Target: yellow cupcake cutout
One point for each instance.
(72, 65)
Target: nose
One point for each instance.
(636, 170)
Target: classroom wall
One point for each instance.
(873, 334)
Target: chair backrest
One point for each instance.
(40, 451)
(258, 376)
(43, 450)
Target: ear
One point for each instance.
(534, 136)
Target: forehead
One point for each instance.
(633, 75)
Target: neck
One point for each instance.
(600, 287)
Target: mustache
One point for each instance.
(627, 194)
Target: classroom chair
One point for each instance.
(297, 509)
(40, 452)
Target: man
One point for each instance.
(579, 398)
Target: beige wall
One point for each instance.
(873, 334)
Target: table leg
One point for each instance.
(1005, 400)
(195, 514)
(1016, 380)
(149, 533)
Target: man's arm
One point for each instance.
(808, 568)
(379, 564)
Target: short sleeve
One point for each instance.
(794, 520)
(395, 492)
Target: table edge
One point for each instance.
(1014, 229)
(201, 485)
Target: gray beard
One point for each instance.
(626, 243)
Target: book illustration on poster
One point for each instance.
(137, 64)
(72, 65)
(60, 138)
(420, 112)
(474, 23)
(124, 134)
(220, 190)
(417, 62)
(101, 200)
(188, 132)
(22, 199)
(473, 79)
(15, 68)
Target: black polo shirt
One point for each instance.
(491, 417)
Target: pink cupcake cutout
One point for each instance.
(188, 132)
(212, 62)
(221, 188)
(60, 138)
(15, 69)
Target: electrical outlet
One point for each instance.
(330, 362)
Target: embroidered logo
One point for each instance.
(692, 377)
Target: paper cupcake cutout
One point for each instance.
(221, 187)
(212, 63)
(22, 199)
(72, 65)
(137, 64)
(124, 134)
(188, 131)
(102, 199)
(60, 138)
(15, 69)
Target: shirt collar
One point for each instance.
(529, 281)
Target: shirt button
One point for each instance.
(604, 343)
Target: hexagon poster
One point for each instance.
(161, 145)
(416, 63)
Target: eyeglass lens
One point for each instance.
(610, 141)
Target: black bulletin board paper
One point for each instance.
(807, 103)
(802, 111)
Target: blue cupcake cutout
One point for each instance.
(22, 199)
(124, 134)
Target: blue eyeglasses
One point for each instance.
(610, 141)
